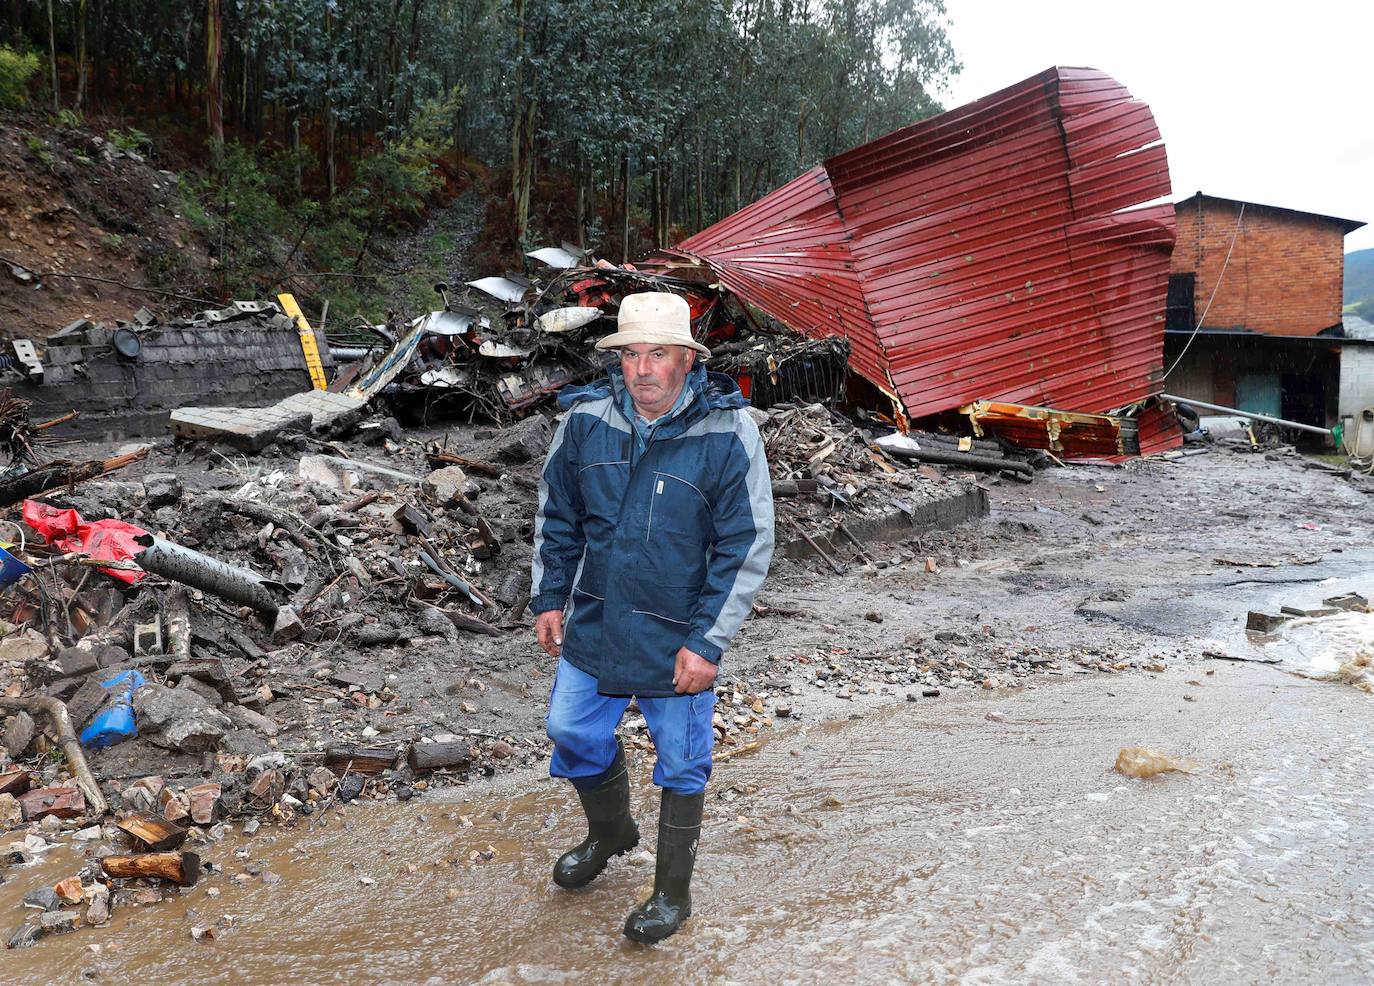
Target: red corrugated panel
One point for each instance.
(983, 254)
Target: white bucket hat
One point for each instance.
(653, 318)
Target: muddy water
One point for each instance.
(917, 843)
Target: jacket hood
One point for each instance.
(719, 390)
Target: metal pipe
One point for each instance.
(181, 564)
(1247, 414)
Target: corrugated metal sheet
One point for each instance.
(983, 254)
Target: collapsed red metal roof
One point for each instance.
(988, 253)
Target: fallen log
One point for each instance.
(461, 620)
(472, 465)
(63, 473)
(155, 833)
(434, 756)
(294, 525)
(182, 868)
(359, 759)
(71, 747)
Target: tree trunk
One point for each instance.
(213, 80)
(517, 115)
(79, 17)
(52, 57)
(330, 126)
(625, 206)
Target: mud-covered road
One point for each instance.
(881, 836)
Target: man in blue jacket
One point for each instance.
(654, 532)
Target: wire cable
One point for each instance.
(1215, 288)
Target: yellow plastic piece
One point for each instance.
(309, 347)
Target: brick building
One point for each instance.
(1255, 312)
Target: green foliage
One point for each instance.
(132, 139)
(1364, 309)
(16, 69)
(68, 118)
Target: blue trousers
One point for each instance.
(582, 721)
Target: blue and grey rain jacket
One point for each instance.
(653, 545)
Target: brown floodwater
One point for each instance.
(924, 842)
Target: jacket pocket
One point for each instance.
(677, 509)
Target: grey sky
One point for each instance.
(1255, 101)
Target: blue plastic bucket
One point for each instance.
(11, 568)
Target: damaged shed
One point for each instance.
(1002, 251)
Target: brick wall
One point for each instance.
(248, 363)
(1285, 274)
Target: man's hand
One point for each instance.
(692, 673)
(548, 627)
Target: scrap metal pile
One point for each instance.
(536, 337)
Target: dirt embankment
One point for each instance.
(77, 202)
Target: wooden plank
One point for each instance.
(155, 833)
(359, 759)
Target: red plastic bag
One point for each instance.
(107, 540)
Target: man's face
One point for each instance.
(655, 374)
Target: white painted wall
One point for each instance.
(1357, 379)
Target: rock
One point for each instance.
(350, 786)
(162, 490)
(18, 734)
(782, 711)
(99, 911)
(362, 681)
(207, 692)
(1096, 519)
(142, 794)
(76, 661)
(248, 719)
(377, 635)
(157, 706)
(873, 616)
(195, 733)
(11, 815)
(251, 826)
(526, 441)
(44, 898)
(321, 779)
(59, 922)
(205, 802)
(64, 802)
(930, 693)
(444, 485)
(88, 834)
(25, 936)
(502, 750)
(287, 627)
(17, 648)
(70, 890)
(435, 623)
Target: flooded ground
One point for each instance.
(982, 840)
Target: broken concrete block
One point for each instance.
(59, 922)
(18, 734)
(1263, 622)
(1350, 602)
(162, 489)
(250, 429)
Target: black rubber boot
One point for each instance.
(610, 829)
(679, 830)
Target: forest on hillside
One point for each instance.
(620, 124)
